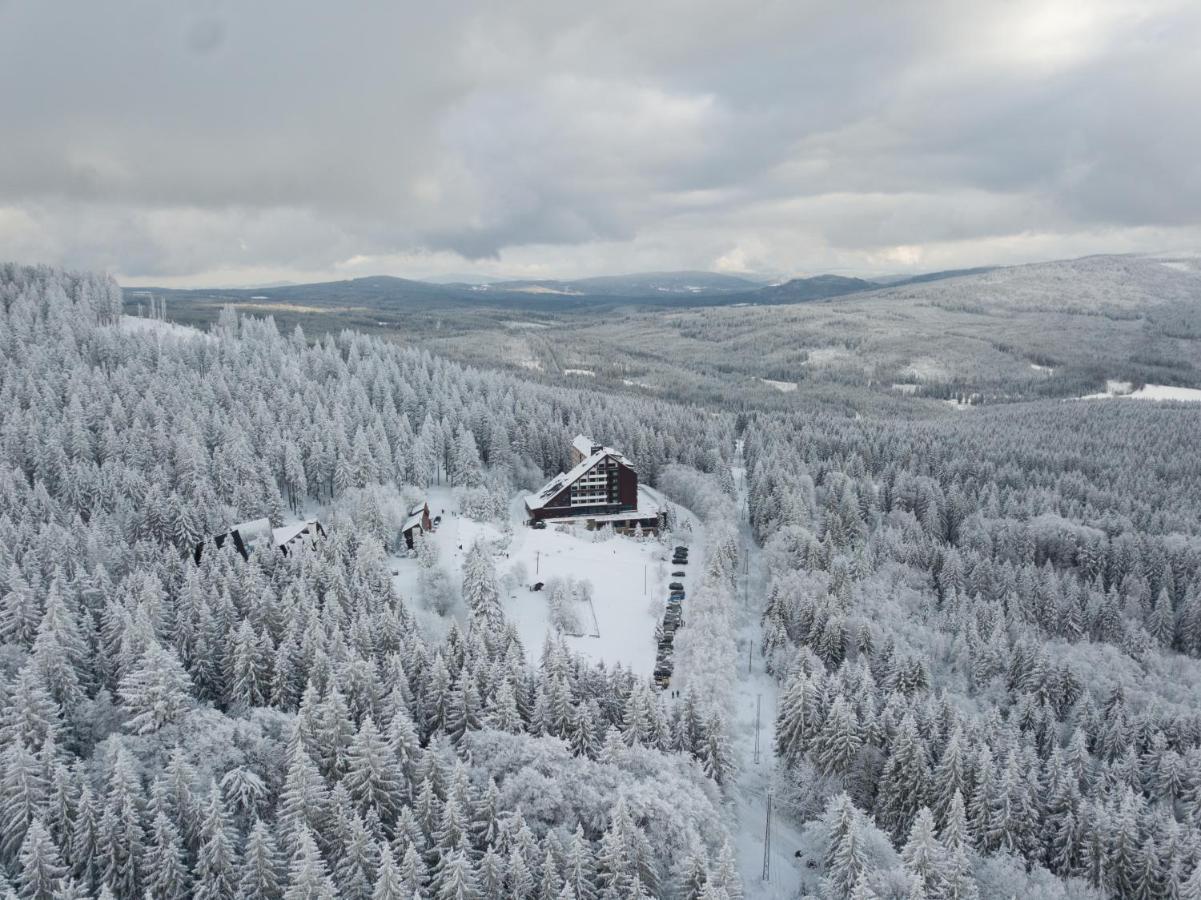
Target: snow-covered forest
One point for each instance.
(985, 629)
(277, 727)
(987, 633)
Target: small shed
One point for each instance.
(418, 520)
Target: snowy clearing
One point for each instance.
(587, 372)
(523, 324)
(786, 387)
(926, 368)
(629, 579)
(1146, 392)
(825, 356)
(160, 328)
(1050, 370)
(959, 403)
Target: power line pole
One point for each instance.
(767, 843)
(750, 649)
(758, 705)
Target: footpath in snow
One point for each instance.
(750, 793)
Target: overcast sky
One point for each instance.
(243, 143)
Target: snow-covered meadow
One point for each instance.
(1159, 392)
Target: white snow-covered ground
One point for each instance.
(1050, 370)
(587, 372)
(1166, 392)
(1123, 390)
(629, 579)
(160, 328)
(786, 387)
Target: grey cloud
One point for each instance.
(164, 140)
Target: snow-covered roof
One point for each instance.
(413, 520)
(583, 444)
(418, 509)
(563, 479)
(287, 533)
(253, 530)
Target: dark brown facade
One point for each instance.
(607, 486)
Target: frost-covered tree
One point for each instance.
(156, 691)
(480, 591)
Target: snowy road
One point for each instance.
(754, 779)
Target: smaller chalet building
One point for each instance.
(600, 489)
(418, 520)
(247, 535)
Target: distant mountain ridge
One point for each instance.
(685, 288)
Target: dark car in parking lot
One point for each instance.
(675, 586)
(679, 574)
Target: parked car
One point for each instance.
(676, 586)
(679, 574)
(539, 524)
(680, 548)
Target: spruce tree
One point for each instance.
(156, 692)
(371, 774)
(260, 871)
(41, 870)
(122, 841)
(167, 874)
(216, 863)
(308, 877)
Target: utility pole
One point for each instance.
(537, 560)
(750, 649)
(767, 844)
(758, 706)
